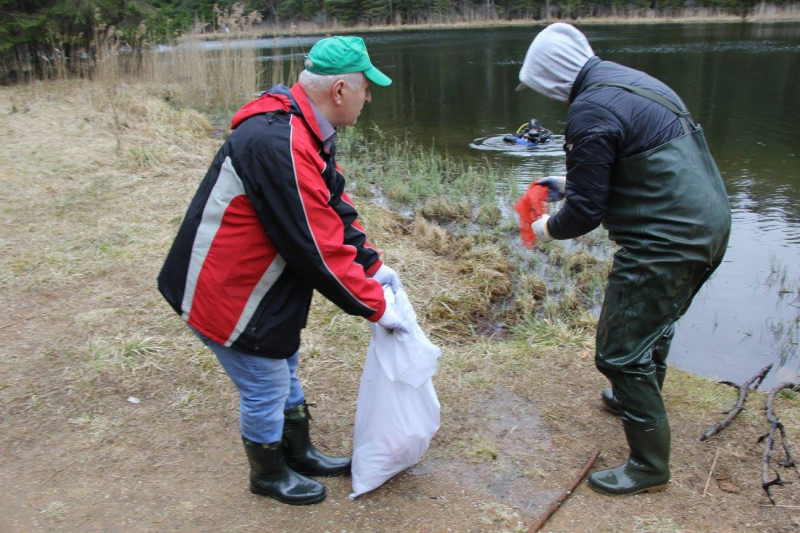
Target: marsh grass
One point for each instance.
(407, 174)
(459, 215)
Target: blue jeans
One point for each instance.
(266, 388)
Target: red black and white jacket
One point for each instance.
(270, 223)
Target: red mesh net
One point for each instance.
(530, 206)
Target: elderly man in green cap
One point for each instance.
(269, 224)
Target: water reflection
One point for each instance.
(497, 143)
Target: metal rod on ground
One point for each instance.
(24, 320)
(566, 494)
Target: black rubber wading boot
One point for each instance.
(611, 404)
(269, 476)
(647, 468)
(301, 455)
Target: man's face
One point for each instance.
(353, 102)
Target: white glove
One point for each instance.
(540, 229)
(556, 187)
(391, 319)
(387, 276)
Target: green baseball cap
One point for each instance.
(340, 55)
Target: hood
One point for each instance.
(277, 98)
(554, 60)
(280, 98)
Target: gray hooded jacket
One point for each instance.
(604, 124)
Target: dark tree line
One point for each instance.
(34, 32)
(38, 33)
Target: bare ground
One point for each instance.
(94, 183)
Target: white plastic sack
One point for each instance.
(398, 412)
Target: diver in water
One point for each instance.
(531, 133)
(536, 133)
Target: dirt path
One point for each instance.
(93, 185)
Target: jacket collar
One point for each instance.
(294, 101)
(319, 124)
(277, 98)
(308, 110)
(577, 87)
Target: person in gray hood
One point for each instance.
(639, 164)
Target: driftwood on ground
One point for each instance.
(744, 388)
(564, 495)
(776, 424)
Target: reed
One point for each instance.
(209, 80)
(210, 77)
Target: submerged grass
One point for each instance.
(406, 174)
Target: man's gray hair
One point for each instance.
(323, 82)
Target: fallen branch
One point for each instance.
(775, 424)
(24, 320)
(564, 495)
(753, 382)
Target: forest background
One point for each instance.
(35, 33)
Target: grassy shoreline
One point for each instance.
(785, 16)
(95, 182)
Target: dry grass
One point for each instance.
(94, 184)
(207, 81)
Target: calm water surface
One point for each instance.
(455, 90)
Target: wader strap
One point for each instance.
(683, 114)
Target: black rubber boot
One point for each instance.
(269, 476)
(301, 455)
(647, 468)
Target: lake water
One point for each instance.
(454, 90)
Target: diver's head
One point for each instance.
(534, 125)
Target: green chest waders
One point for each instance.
(670, 216)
